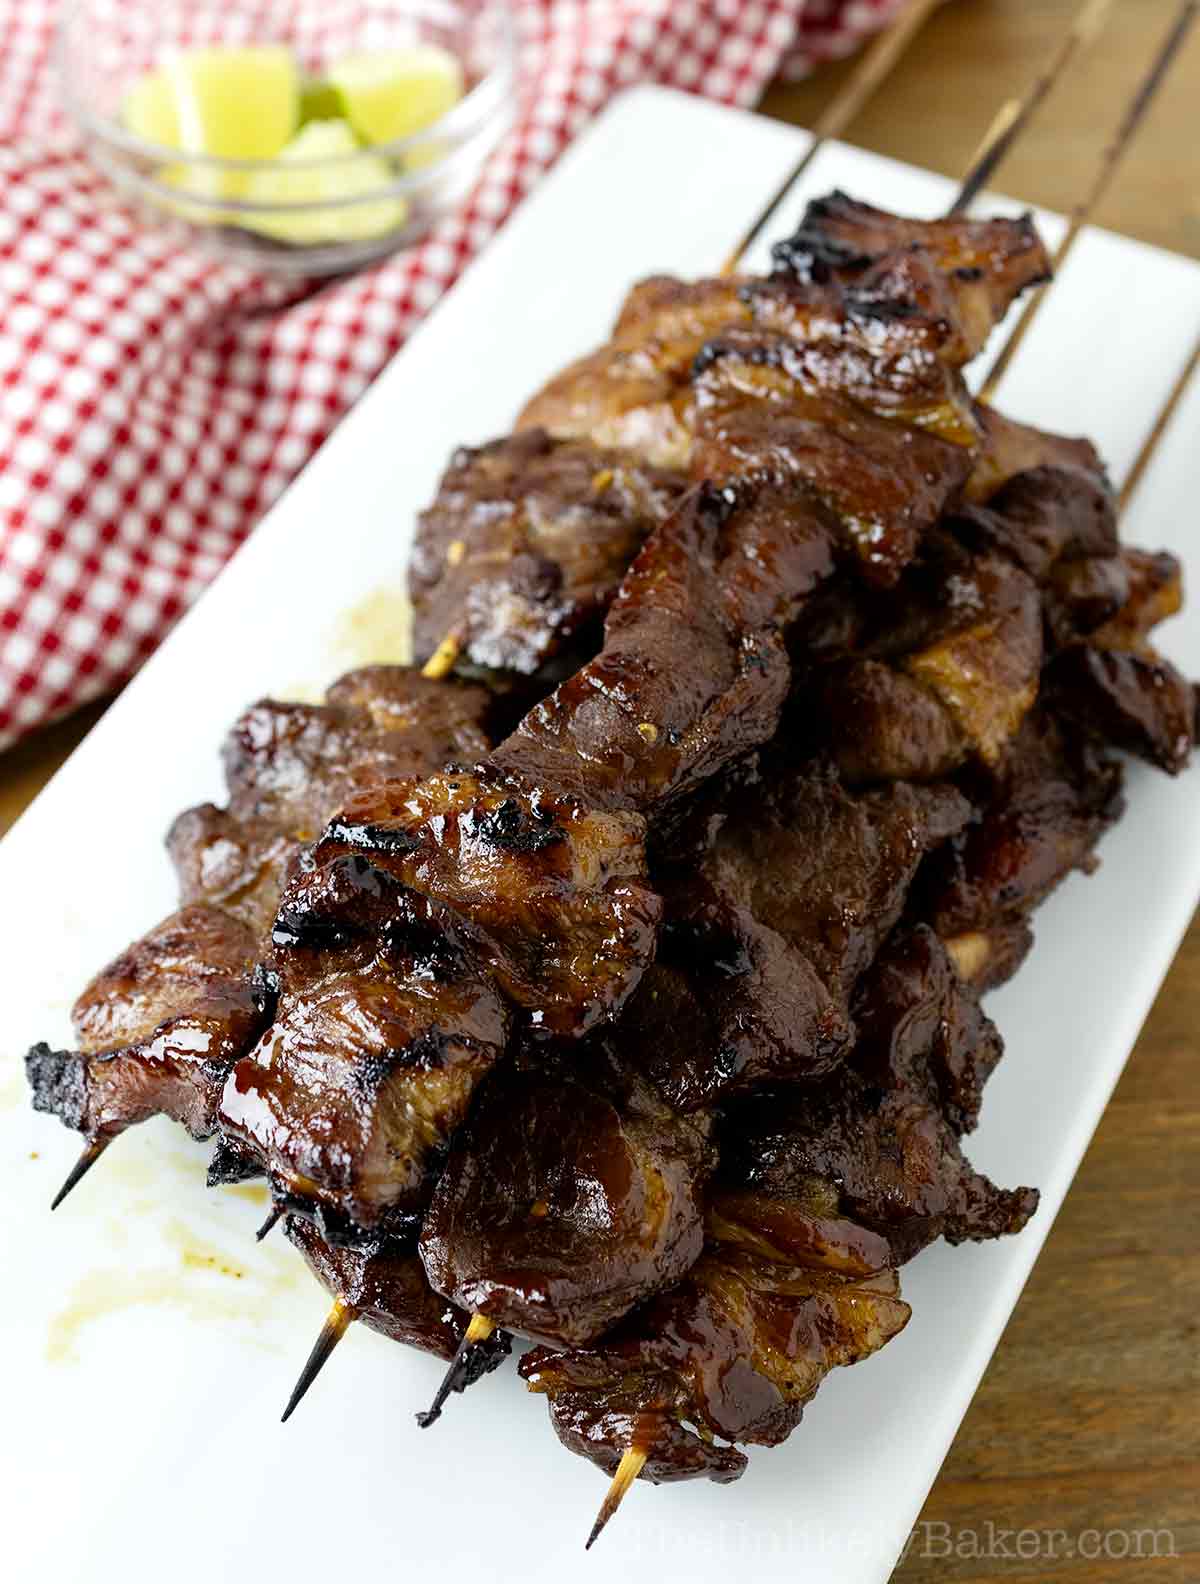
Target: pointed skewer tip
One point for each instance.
(331, 1334)
(91, 1154)
(478, 1330)
(631, 1465)
(443, 659)
(275, 1212)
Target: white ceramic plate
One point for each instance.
(149, 1344)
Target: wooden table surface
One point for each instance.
(1085, 1434)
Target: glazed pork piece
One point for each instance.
(572, 1193)
(383, 1285)
(821, 1194)
(883, 323)
(777, 899)
(521, 552)
(161, 1026)
(536, 858)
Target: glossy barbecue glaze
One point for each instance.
(572, 1194)
(162, 1025)
(523, 548)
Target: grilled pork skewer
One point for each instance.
(383, 1285)
(160, 1027)
(820, 1197)
(534, 863)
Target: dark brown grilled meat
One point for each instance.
(885, 329)
(777, 898)
(1007, 448)
(288, 767)
(157, 1029)
(822, 1191)
(369, 1065)
(383, 1285)
(736, 1350)
(1052, 800)
(520, 554)
(571, 1194)
(876, 1147)
(160, 1027)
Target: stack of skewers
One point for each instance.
(613, 980)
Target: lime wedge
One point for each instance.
(293, 180)
(233, 103)
(393, 93)
(319, 101)
(149, 110)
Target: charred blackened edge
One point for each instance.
(810, 256)
(58, 1081)
(425, 1052)
(471, 1363)
(511, 829)
(397, 1230)
(323, 923)
(369, 836)
(231, 1164)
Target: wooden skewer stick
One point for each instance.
(1110, 160)
(874, 67)
(441, 662)
(1159, 428)
(1016, 115)
(275, 1212)
(872, 71)
(337, 1322)
(631, 1465)
(91, 1154)
(479, 1329)
(457, 1376)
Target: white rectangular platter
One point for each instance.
(148, 1344)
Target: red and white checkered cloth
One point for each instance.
(154, 403)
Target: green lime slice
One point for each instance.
(319, 101)
(292, 181)
(391, 94)
(231, 102)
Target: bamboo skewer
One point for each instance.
(1016, 115)
(1159, 428)
(631, 1465)
(872, 71)
(442, 661)
(273, 1215)
(1110, 160)
(91, 1154)
(479, 1329)
(337, 1323)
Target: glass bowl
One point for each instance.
(107, 46)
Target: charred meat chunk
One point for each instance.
(160, 1028)
(775, 905)
(732, 1354)
(157, 1029)
(564, 1202)
(520, 554)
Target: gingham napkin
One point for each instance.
(153, 403)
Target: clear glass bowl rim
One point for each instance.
(464, 118)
